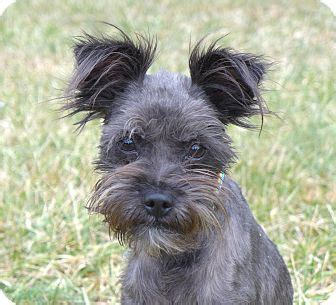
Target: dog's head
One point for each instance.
(163, 142)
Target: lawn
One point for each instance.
(52, 251)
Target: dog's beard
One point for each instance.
(196, 212)
(155, 240)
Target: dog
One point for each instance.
(164, 160)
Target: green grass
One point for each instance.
(51, 251)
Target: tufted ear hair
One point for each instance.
(230, 80)
(104, 67)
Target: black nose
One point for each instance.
(158, 204)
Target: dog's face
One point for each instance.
(163, 143)
(161, 152)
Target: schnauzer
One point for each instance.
(164, 157)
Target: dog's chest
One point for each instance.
(168, 282)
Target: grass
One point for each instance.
(51, 251)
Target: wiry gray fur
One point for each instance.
(208, 249)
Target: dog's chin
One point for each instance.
(156, 240)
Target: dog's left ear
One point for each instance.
(104, 68)
(230, 80)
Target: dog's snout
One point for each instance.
(158, 204)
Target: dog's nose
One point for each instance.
(158, 204)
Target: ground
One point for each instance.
(51, 251)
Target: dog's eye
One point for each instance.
(196, 151)
(127, 145)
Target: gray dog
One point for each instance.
(164, 158)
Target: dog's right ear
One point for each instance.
(104, 68)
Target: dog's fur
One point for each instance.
(208, 249)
